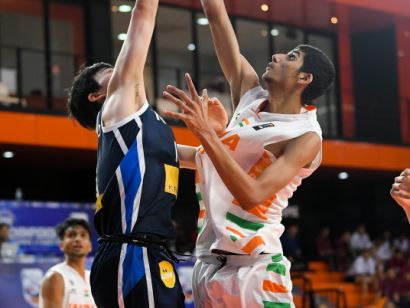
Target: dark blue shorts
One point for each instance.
(133, 276)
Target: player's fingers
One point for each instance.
(406, 172)
(176, 101)
(191, 87)
(176, 115)
(180, 94)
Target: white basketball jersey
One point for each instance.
(77, 291)
(223, 224)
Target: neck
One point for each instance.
(282, 101)
(78, 264)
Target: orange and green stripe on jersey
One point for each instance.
(254, 243)
(267, 304)
(276, 266)
(274, 287)
(238, 227)
(255, 171)
(202, 211)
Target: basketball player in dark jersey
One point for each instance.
(137, 176)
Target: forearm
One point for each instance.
(132, 57)
(245, 189)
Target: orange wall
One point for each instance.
(54, 131)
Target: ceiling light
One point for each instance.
(274, 32)
(114, 9)
(191, 47)
(264, 7)
(122, 36)
(343, 176)
(8, 154)
(125, 8)
(203, 21)
(334, 20)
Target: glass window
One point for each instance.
(209, 67)
(327, 104)
(175, 48)
(210, 73)
(254, 43)
(285, 38)
(120, 20)
(22, 61)
(67, 48)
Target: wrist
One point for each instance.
(207, 136)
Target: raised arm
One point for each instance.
(237, 70)
(126, 89)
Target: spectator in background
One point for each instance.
(389, 288)
(360, 240)
(397, 262)
(67, 284)
(325, 248)
(363, 271)
(401, 243)
(4, 236)
(400, 191)
(343, 256)
(384, 251)
(404, 291)
(291, 247)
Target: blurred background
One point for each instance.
(47, 162)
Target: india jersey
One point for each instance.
(224, 224)
(77, 290)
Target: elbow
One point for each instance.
(251, 201)
(254, 198)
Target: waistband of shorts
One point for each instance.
(241, 260)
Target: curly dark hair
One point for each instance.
(71, 222)
(317, 63)
(78, 104)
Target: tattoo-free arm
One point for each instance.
(52, 291)
(237, 70)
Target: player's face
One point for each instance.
(103, 78)
(76, 242)
(284, 68)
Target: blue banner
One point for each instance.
(33, 231)
(33, 224)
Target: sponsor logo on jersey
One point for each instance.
(262, 126)
(171, 179)
(167, 273)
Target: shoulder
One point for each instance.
(52, 282)
(309, 141)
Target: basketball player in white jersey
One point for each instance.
(248, 173)
(67, 284)
(400, 191)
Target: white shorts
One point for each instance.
(242, 281)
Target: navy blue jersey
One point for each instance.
(137, 175)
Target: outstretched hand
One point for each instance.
(201, 115)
